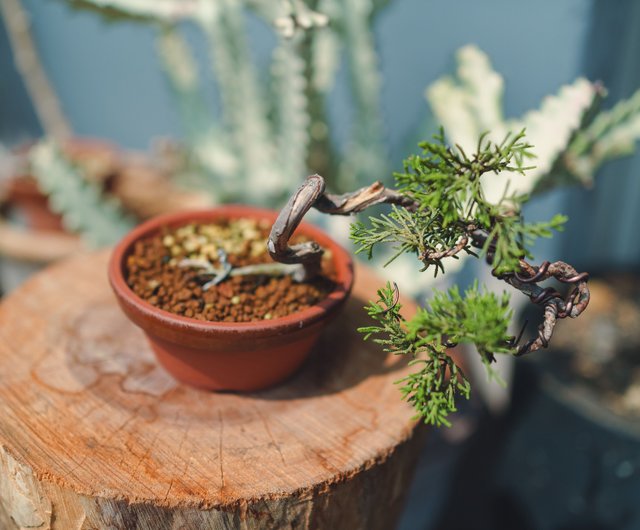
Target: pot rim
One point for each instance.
(302, 319)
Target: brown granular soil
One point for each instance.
(155, 273)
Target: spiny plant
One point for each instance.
(267, 125)
(439, 211)
(84, 207)
(572, 135)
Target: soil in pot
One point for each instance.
(169, 270)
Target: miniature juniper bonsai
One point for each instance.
(438, 211)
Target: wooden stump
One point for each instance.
(94, 434)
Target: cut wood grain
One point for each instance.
(94, 434)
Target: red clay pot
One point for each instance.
(243, 356)
(98, 157)
(23, 194)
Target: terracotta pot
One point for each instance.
(24, 195)
(99, 160)
(142, 188)
(227, 355)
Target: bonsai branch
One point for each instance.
(214, 276)
(434, 256)
(312, 194)
(555, 305)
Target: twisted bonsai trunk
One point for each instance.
(312, 194)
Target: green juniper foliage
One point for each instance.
(446, 185)
(451, 215)
(480, 318)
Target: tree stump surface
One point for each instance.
(94, 434)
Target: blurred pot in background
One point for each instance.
(36, 230)
(594, 366)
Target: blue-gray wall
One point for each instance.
(605, 219)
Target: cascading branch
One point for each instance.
(438, 211)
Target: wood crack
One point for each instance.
(222, 483)
(273, 443)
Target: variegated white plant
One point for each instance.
(99, 220)
(470, 104)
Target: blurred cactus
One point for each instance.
(83, 206)
(471, 103)
(266, 136)
(611, 134)
(571, 139)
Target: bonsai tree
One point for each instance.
(438, 212)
